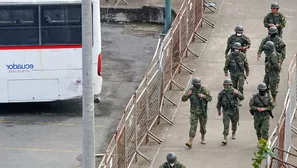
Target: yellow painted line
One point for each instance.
(40, 150)
(45, 123)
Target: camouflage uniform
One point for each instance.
(274, 19)
(280, 46)
(243, 40)
(171, 160)
(198, 111)
(261, 118)
(176, 165)
(236, 72)
(227, 100)
(272, 70)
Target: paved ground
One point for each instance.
(237, 153)
(48, 135)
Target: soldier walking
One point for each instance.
(238, 37)
(172, 162)
(272, 69)
(261, 106)
(237, 63)
(199, 98)
(280, 46)
(275, 18)
(227, 100)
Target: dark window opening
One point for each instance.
(19, 25)
(59, 25)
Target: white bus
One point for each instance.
(41, 50)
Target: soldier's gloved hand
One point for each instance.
(201, 95)
(258, 57)
(189, 92)
(235, 91)
(261, 109)
(219, 113)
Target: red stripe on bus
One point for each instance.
(38, 47)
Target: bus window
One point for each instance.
(60, 24)
(19, 25)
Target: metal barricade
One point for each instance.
(282, 134)
(144, 110)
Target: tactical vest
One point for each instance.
(258, 103)
(276, 42)
(228, 104)
(194, 98)
(236, 66)
(274, 19)
(235, 39)
(268, 64)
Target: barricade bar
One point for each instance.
(144, 110)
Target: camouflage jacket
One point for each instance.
(198, 105)
(236, 64)
(275, 19)
(280, 46)
(272, 64)
(228, 103)
(255, 102)
(176, 165)
(243, 40)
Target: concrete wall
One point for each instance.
(145, 14)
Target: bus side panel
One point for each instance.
(3, 90)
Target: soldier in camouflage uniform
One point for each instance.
(238, 37)
(261, 105)
(237, 63)
(272, 69)
(275, 18)
(227, 100)
(199, 97)
(280, 46)
(172, 162)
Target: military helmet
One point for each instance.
(171, 157)
(274, 5)
(227, 82)
(262, 86)
(196, 81)
(272, 30)
(238, 29)
(269, 45)
(237, 45)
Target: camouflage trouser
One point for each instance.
(261, 125)
(194, 122)
(272, 81)
(280, 33)
(227, 116)
(238, 81)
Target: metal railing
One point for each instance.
(281, 135)
(145, 107)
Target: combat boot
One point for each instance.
(203, 139)
(224, 142)
(234, 135)
(189, 144)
